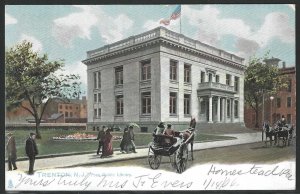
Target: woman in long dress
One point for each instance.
(107, 144)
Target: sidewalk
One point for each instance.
(93, 159)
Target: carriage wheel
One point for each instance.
(181, 158)
(153, 159)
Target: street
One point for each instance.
(246, 153)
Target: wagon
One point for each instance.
(176, 148)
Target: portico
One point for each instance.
(218, 103)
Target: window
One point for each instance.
(289, 119)
(119, 105)
(66, 114)
(146, 70)
(66, 106)
(95, 79)
(95, 98)
(119, 75)
(187, 73)
(228, 108)
(71, 107)
(95, 113)
(99, 97)
(202, 76)
(146, 103)
(202, 109)
(76, 107)
(173, 102)
(71, 114)
(236, 83)
(99, 112)
(278, 102)
(99, 79)
(217, 78)
(236, 109)
(60, 106)
(289, 89)
(173, 70)
(210, 77)
(228, 79)
(289, 102)
(187, 100)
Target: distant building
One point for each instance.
(283, 103)
(74, 110)
(161, 75)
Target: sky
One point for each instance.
(69, 31)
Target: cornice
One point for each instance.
(165, 42)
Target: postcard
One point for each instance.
(150, 97)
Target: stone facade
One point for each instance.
(156, 76)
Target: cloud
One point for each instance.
(36, 44)
(246, 48)
(10, 20)
(212, 27)
(80, 25)
(276, 24)
(77, 68)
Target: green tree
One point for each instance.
(261, 80)
(32, 77)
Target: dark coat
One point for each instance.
(11, 148)
(31, 148)
(126, 138)
(101, 135)
(193, 123)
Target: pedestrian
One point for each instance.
(124, 145)
(131, 133)
(11, 152)
(31, 151)
(100, 137)
(193, 123)
(107, 144)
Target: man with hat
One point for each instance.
(100, 137)
(11, 152)
(159, 129)
(31, 151)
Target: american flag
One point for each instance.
(175, 14)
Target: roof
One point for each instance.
(55, 116)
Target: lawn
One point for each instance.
(47, 145)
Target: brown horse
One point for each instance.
(188, 137)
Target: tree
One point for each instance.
(261, 79)
(32, 77)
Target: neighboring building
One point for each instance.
(161, 75)
(74, 110)
(283, 103)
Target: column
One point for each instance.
(210, 110)
(218, 109)
(225, 110)
(232, 109)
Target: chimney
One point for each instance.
(283, 64)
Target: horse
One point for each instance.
(284, 133)
(188, 137)
(270, 133)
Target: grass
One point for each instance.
(48, 146)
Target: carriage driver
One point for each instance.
(169, 132)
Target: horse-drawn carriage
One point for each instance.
(176, 148)
(283, 133)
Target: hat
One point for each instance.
(31, 134)
(161, 124)
(169, 124)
